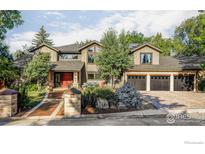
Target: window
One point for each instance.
(91, 77)
(68, 56)
(146, 58)
(91, 53)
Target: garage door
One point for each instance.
(160, 83)
(139, 82)
(184, 83)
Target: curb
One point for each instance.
(131, 114)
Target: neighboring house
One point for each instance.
(71, 64)
(74, 64)
(152, 71)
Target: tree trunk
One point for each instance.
(112, 82)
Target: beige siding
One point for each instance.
(155, 55)
(53, 54)
(84, 58)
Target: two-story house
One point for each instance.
(71, 64)
(151, 71)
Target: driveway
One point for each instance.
(177, 100)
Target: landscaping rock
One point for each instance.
(102, 104)
(128, 97)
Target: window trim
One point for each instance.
(151, 58)
(95, 75)
(73, 54)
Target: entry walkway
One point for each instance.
(49, 107)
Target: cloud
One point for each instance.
(147, 22)
(54, 13)
(17, 40)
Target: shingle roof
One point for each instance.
(168, 63)
(67, 66)
(43, 44)
(75, 48)
(71, 48)
(191, 62)
(143, 45)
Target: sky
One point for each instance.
(66, 27)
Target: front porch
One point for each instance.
(66, 73)
(64, 79)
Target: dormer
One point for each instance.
(146, 54)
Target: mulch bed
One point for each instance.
(91, 110)
(46, 109)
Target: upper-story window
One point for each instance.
(146, 58)
(91, 55)
(68, 56)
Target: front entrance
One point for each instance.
(63, 79)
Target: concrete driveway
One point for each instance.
(177, 100)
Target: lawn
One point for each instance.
(35, 97)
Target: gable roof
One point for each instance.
(42, 45)
(89, 44)
(71, 48)
(144, 45)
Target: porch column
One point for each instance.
(171, 82)
(195, 82)
(75, 79)
(148, 82)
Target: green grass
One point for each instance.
(35, 97)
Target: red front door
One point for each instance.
(67, 79)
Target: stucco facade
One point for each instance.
(53, 53)
(155, 55)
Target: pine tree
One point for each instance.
(42, 37)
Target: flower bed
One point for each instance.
(106, 100)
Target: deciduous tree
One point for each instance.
(114, 58)
(37, 69)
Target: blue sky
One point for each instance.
(68, 27)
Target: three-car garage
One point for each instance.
(162, 82)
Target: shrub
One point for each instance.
(202, 85)
(32, 87)
(106, 93)
(88, 95)
(23, 97)
(92, 91)
(128, 96)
